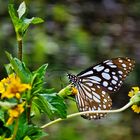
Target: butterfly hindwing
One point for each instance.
(98, 100)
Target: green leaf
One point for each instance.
(20, 23)
(38, 78)
(1, 115)
(9, 69)
(28, 130)
(36, 20)
(26, 138)
(22, 9)
(57, 104)
(41, 103)
(4, 131)
(13, 15)
(21, 70)
(35, 132)
(39, 75)
(51, 104)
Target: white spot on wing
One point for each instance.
(106, 76)
(98, 68)
(114, 82)
(87, 73)
(120, 61)
(95, 78)
(110, 88)
(113, 66)
(105, 100)
(113, 73)
(106, 70)
(124, 65)
(104, 106)
(105, 83)
(120, 72)
(103, 92)
(106, 61)
(109, 63)
(115, 77)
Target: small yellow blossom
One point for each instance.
(12, 87)
(74, 90)
(134, 91)
(135, 107)
(15, 113)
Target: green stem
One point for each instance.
(88, 112)
(20, 49)
(15, 129)
(28, 113)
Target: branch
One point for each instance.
(88, 112)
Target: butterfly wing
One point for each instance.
(96, 82)
(92, 98)
(109, 74)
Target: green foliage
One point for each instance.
(20, 22)
(44, 100)
(19, 67)
(39, 76)
(4, 131)
(56, 104)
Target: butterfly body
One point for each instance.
(94, 84)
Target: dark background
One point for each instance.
(75, 35)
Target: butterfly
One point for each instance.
(94, 84)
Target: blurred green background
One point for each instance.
(75, 35)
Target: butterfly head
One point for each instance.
(72, 78)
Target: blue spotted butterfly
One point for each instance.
(94, 84)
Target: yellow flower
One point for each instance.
(12, 87)
(134, 91)
(15, 113)
(74, 90)
(136, 108)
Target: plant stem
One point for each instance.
(15, 129)
(20, 49)
(88, 112)
(28, 113)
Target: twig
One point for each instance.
(88, 112)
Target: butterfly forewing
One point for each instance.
(110, 73)
(94, 84)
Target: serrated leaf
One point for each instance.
(39, 75)
(22, 9)
(20, 68)
(57, 104)
(44, 105)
